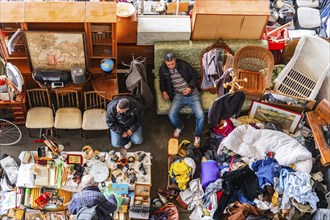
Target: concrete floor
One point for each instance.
(157, 130)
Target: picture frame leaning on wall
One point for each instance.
(288, 120)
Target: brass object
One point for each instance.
(234, 83)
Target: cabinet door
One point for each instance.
(102, 44)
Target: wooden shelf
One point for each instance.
(97, 20)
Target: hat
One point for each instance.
(169, 57)
(123, 103)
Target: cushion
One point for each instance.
(309, 17)
(68, 118)
(164, 106)
(308, 3)
(190, 51)
(94, 119)
(39, 117)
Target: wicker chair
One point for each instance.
(256, 64)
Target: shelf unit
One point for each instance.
(18, 56)
(102, 44)
(96, 19)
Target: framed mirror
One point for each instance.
(214, 61)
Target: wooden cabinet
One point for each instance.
(18, 108)
(229, 19)
(96, 19)
(127, 29)
(102, 44)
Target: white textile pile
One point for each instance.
(253, 143)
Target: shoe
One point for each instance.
(197, 141)
(177, 132)
(128, 145)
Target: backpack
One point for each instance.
(86, 213)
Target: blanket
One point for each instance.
(253, 143)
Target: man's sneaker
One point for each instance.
(128, 145)
(177, 132)
(197, 141)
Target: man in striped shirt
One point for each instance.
(179, 84)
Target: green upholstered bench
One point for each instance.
(190, 51)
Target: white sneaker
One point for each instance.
(128, 145)
(197, 141)
(177, 132)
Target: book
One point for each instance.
(17, 214)
(119, 188)
(45, 176)
(32, 214)
(43, 199)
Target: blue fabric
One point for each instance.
(92, 196)
(194, 102)
(238, 195)
(118, 141)
(266, 170)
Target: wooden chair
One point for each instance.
(171, 8)
(94, 117)
(183, 7)
(68, 114)
(40, 114)
(316, 119)
(256, 64)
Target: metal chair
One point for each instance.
(94, 117)
(68, 114)
(40, 114)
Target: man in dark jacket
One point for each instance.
(92, 196)
(179, 84)
(124, 118)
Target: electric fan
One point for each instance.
(15, 77)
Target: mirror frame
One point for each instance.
(219, 44)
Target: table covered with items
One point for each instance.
(43, 185)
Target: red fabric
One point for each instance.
(224, 130)
(219, 194)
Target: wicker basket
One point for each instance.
(256, 64)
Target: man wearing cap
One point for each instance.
(124, 118)
(179, 84)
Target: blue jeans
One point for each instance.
(194, 102)
(118, 141)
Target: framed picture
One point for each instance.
(288, 120)
(74, 158)
(55, 50)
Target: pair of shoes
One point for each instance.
(128, 145)
(177, 132)
(167, 193)
(197, 141)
